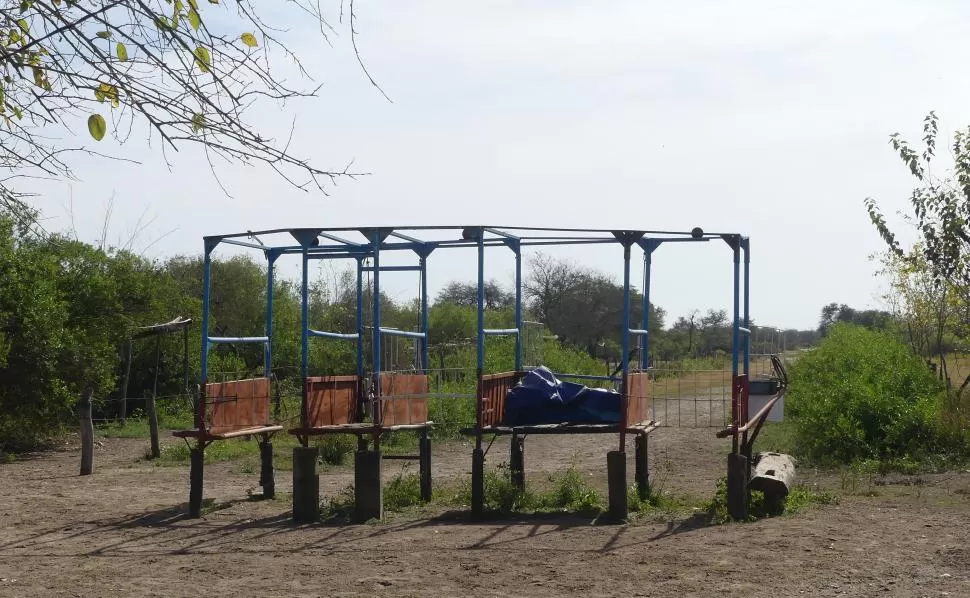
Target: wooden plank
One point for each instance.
(331, 400)
(404, 399)
(237, 404)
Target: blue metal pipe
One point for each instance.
(305, 318)
(736, 341)
(360, 318)
(335, 335)
(204, 366)
(502, 332)
(394, 268)
(480, 340)
(518, 308)
(402, 333)
(268, 351)
(746, 247)
(645, 339)
(626, 342)
(376, 337)
(238, 340)
(426, 343)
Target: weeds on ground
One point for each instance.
(799, 499)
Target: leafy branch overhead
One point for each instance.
(941, 205)
(189, 69)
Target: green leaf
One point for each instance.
(97, 127)
(249, 39)
(213, 1)
(122, 52)
(198, 123)
(24, 25)
(194, 19)
(194, 4)
(203, 59)
(103, 34)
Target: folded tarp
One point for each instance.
(540, 398)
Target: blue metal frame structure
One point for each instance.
(332, 243)
(374, 242)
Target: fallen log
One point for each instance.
(773, 475)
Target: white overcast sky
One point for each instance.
(766, 118)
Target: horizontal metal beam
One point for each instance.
(501, 331)
(338, 335)
(404, 333)
(638, 332)
(237, 340)
(394, 268)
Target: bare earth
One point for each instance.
(121, 532)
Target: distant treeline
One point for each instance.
(68, 310)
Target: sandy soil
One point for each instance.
(122, 532)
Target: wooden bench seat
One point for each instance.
(640, 429)
(220, 434)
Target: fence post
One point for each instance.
(87, 432)
(152, 423)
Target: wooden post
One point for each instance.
(267, 479)
(737, 487)
(517, 461)
(642, 466)
(124, 385)
(306, 485)
(153, 424)
(87, 432)
(425, 465)
(197, 464)
(616, 479)
(478, 483)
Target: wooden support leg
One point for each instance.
(517, 461)
(737, 487)
(196, 458)
(368, 489)
(478, 482)
(616, 476)
(306, 485)
(425, 466)
(642, 467)
(267, 478)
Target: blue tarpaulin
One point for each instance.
(540, 398)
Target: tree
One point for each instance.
(583, 307)
(188, 71)
(466, 294)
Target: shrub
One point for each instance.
(862, 394)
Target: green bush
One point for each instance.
(861, 394)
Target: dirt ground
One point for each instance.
(122, 532)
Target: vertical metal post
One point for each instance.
(745, 246)
(360, 318)
(626, 344)
(376, 297)
(305, 316)
(518, 306)
(425, 342)
(737, 312)
(204, 367)
(268, 347)
(480, 336)
(304, 336)
(645, 339)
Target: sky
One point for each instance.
(766, 118)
